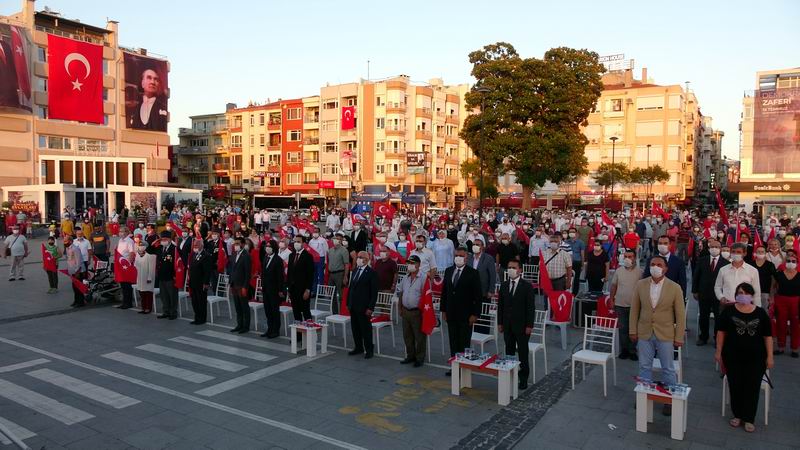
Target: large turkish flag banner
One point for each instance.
(348, 117)
(75, 85)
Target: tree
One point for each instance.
(531, 111)
(653, 174)
(612, 173)
(470, 169)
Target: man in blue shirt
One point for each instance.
(578, 249)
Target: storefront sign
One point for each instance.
(764, 187)
(326, 184)
(341, 184)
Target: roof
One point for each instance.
(273, 105)
(49, 16)
(613, 87)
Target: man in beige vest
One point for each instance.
(658, 322)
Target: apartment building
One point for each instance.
(50, 164)
(708, 161)
(202, 159)
(769, 171)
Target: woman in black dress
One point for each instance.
(596, 268)
(744, 349)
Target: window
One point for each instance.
(380, 146)
(380, 169)
(649, 103)
(252, 162)
(252, 140)
(293, 178)
(274, 139)
(274, 160)
(236, 163)
(655, 128)
(675, 101)
(54, 142)
(674, 127)
(261, 160)
(201, 142)
(379, 123)
(351, 101)
(262, 139)
(330, 169)
(616, 105)
(41, 112)
(261, 119)
(330, 147)
(293, 157)
(310, 178)
(92, 145)
(41, 54)
(275, 118)
(329, 125)
(274, 181)
(236, 140)
(293, 114)
(217, 141)
(252, 120)
(379, 101)
(330, 103)
(293, 136)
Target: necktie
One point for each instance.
(358, 275)
(456, 277)
(713, 264)
(513, 286)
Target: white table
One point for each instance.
(644, 409)
(309, 334)
(507, 378)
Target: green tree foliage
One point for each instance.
(471, 170)
(531, 111)
(612, 173)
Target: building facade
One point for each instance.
(769, 172)
(201, 157)
(708, 162)
(58, 163)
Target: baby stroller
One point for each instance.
(102, 286)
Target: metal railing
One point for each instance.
(311, 140)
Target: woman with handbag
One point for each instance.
(744, 350)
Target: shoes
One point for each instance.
(11, 279)
(244, 330)
(522, 385)
(368, 355)
(633, 357)
(417, 363)
(701, 342)
(162, 316)
(667, 411)
(795, 355)
(235, 330)
(449, 373)
(267, 335)
(407, 361)
(355, 352)
(201, 323)
(21, 278)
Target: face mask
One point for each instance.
(141, 225)
(214, 237)
(360, 262)
(736, 258)
(512, 273)
(791, 265)
(381, 239)
(553, 245)
(459, 261)
(572, 235)
(419, 245)
(357, 228)
(720, 235)
(726, 255)
(268, 250)
(713, 251)
(164, 243)
(237, 248)
(782, 233)
(344, 244)
(197, 249)
(476, 249)
(656, 271)
(402, 238)
(15, 231)
(628, 263)
(384, 255)
(315, 235)
(298, 246)
(663, 249)
(281, 245)
(505, 241)
(412, 268)
(744, 299)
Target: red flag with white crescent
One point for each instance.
(348, 117)
(544, 278)
(124, 271)
(75, 80)
(426, 305)
(560, 305)
(48, 262)
(180, 272)
(20, 49)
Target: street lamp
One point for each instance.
(648, 166)
(482, 90)
(613, 154)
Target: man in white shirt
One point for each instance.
(506, 226)
(734, 274)
(85, 247)
(320, 245)
(17, 245)
(258, 221)
(332, 222)
(127, 250)
(425, 255)
(539, 243)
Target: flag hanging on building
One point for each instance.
(75, 82)
(348, 117)
(20, 46)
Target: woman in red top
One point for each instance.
(787, 306)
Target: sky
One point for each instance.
(241, 51)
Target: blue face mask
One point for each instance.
(744, 299)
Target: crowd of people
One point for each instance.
(743, 272)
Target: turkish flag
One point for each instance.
(723, 214)
(560, 305)
(75, 83)
(222, 258)
(544, 278)
(21, 64)
(124, 271)
(426, 305)
(180, 273)
(348, 117)
(48, 261)
(384, 209)
(255, 267)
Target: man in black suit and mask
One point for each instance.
(272, 286)
(199, 263)
(515, 313)
(461, 302)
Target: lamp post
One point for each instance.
(613, 168)
(648, 166)
(482, 90)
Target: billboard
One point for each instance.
(776, 131)
(146, 87)
(15, 79)
(415, 163)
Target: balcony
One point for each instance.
(423, 134)
(440, 134)
(424, 113)
(451, 139)
(311, 140)
(451, 180)
(451, 159)
(274, 148)
(395, 155)
(395, 107)
(194, 151)
(451, 118)
(193, 169)
(395, 177)
(221, 166)
(274, 125)
(423, 179)
(310, 160)
(349, 134)
(311, 118)
(395, 130)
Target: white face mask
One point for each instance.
(381, 239)
(791, 266)
(315, 235)
(360, 262)
(15, 231)
(237, 248)
(298, 246)
(714, 251)
(268, 250)
(656, 271)
(663, 249)
(384, 255)
(476, 249)
(412, 268)
(459, 261)
(628, 262)
(726, 255)
(553, 245)
(164, 243)
(402, 238)
(513, 273)
(419, 245)
(737, 258)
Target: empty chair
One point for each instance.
(220, 296)
(323, 302)
(439, 328)
(183, 296)
(402, 269)
(257, 304)
(530, 273)
(487, 321)
(537, 342)
(599, 345)
(342, 319)
(285, 309)
(382, 317)
(560, 314)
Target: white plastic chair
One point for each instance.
(602, 332)
(530, 273)
(764, 387)
(286, 310)
(383, 307)
(138, 301)
(221, 296)
(323, 302)
(486, 319)
(537, 342)
(437, 303)
(402, 270)
(562, 326)
(257, 304)
(183, 295)
(676, 363)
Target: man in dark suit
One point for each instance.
(515, 312)
(461, 302)
(272, 285)
(676, 267)
(199, 280)
(359, 238)
(703, 279)
(239, 269)
(165, 274)
(361, 299)
(486, 267)
(185, 247)
(300, 276)
(150, 111)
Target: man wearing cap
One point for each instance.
(165, 271)
(409, 293)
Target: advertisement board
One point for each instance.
(146, 88)
(415, 163)
(15, 84)
(776, 131)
